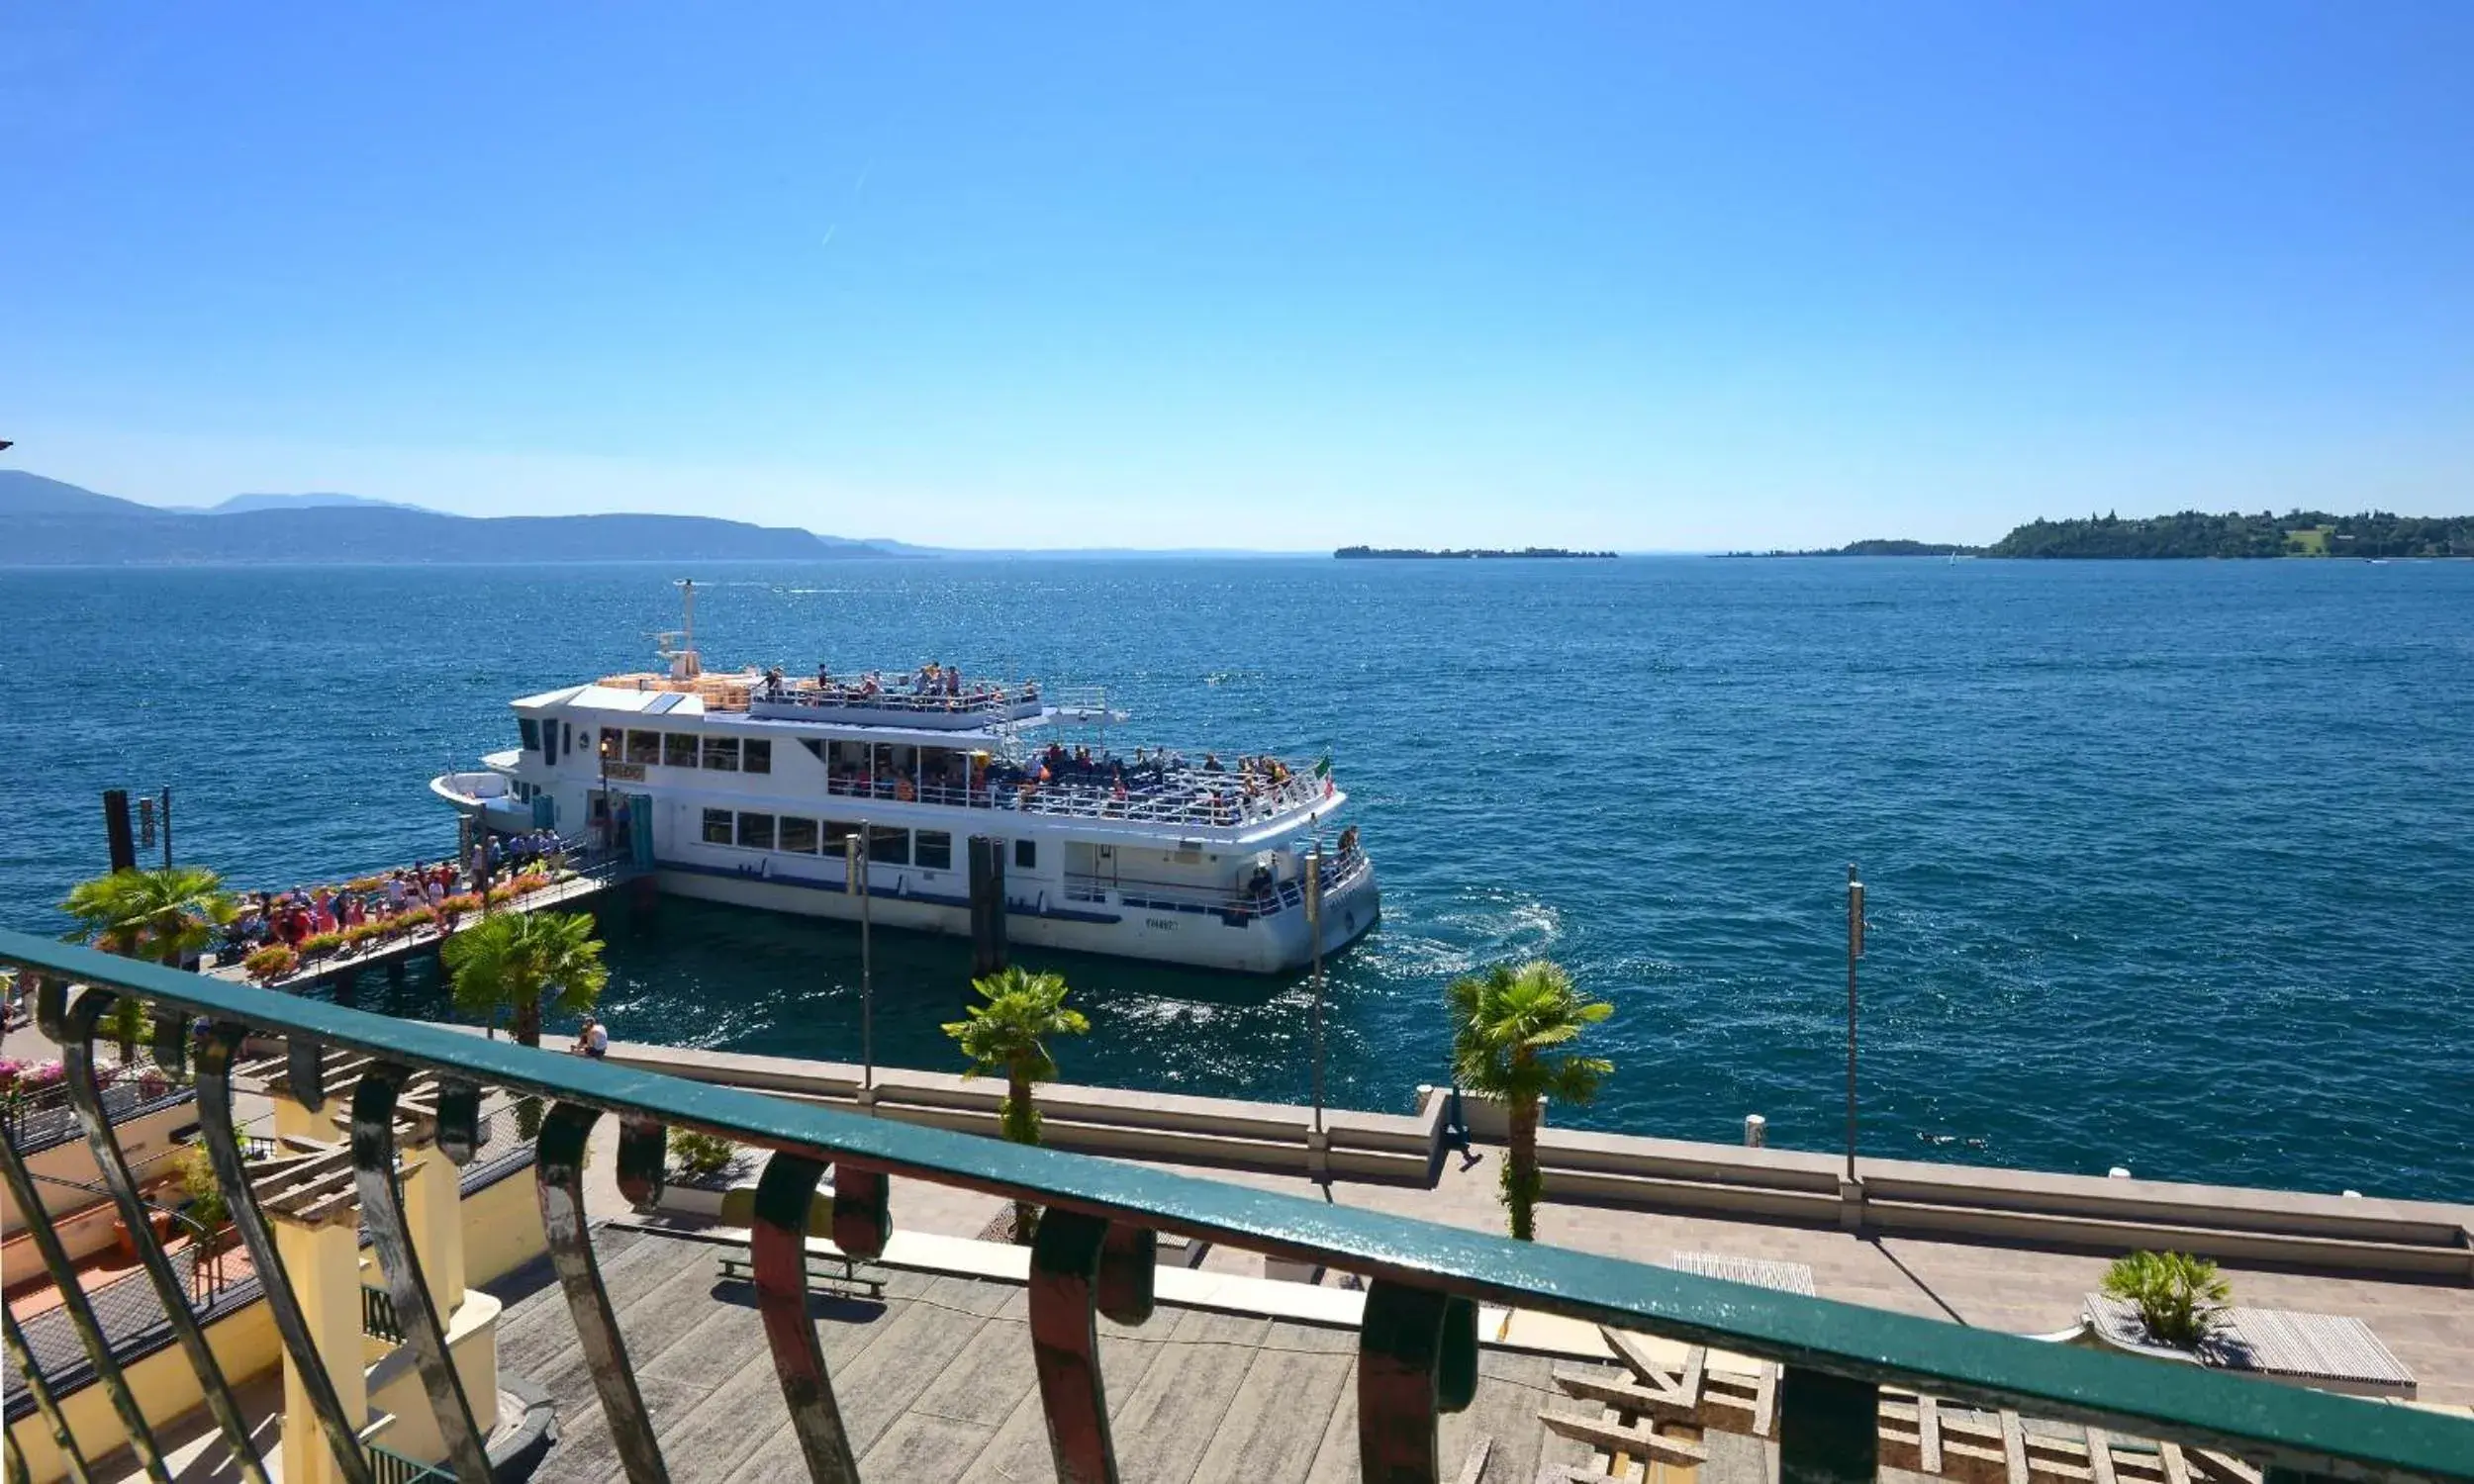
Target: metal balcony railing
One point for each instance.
(1417, 1345)
(378, 1319)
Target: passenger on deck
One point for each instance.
(1212, 764)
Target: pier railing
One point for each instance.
(1095, 1253)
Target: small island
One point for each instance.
(1483, 554)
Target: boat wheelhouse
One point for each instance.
(748, 786)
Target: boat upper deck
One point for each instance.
(931, 699)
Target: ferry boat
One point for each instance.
(744, 786)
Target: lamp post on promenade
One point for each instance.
(1855, 951)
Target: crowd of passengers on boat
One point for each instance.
(1155, 785)
(934, 686)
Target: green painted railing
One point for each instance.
(1416, 1348)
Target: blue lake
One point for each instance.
(2168, 863)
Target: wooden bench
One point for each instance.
(834, 1272)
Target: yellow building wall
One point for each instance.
(502, 1230)
(502, 1233)
(244, 1344)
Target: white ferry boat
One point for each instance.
(744, 788)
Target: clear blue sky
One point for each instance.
(1636, 275)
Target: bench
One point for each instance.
(834, 1272)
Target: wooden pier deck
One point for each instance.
(390, 956)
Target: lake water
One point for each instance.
(2168, 863)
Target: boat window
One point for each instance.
(935, 851)
(756, 756)
(756, 831)
(610, 744)
(722, 752)
(799, 835)
(1026, 855)
(716, 826)
(815, 747)
(643, 747)
(888, 846)
(678, 749)
(835, 832)
(566, 738)
(532, 734)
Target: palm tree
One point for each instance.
(166, 914)
(1500, 1021)
(507, 963)
(1010, 1034)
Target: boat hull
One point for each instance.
(1275, 944)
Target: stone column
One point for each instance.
(431, 1209)
(292, 1121)
(324, 1264)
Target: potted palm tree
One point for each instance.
(1505, 1026)
(509, 964)
(1009, 1034)
(169, 914)
(2179, 1298)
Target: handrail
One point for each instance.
(1835, 1354)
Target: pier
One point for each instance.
(577, 885)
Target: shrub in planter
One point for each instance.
(272, 963)
(700, 1156)
(2179, 1297)
(361, 934)
(319, 944)
(412, 917)
(461, 903)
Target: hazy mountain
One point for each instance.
(24, 493)
(242, 505)
(46, 522)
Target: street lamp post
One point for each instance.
(1855, 951)
(856, 879)
(1314, 931)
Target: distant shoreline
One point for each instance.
(1473, 554)
(2307, 535)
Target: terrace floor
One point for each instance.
(936, 1382)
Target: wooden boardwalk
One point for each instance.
(935, 1382)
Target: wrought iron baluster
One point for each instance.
(40, 1390)
(863, 1218)
(78, 1066)
(382, 1211)
(558, 1176)
(1129, 1267)
(215, 1053)
(81, 1316)
(643, 1148)
(778, 1252)
(306, 1070)
(1417, 1357)
(1071, 1264)
(459, 1119)
(1829, 1428)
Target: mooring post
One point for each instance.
(987, 906)
(116, 836)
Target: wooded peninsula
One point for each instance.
(2196, 533)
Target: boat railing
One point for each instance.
(1188, 797)
(1416, 1338)
(1273, 898)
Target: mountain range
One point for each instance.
(48, 522)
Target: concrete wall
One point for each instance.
(502, 1229)
(1220, 1132)
(2410, 1238)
